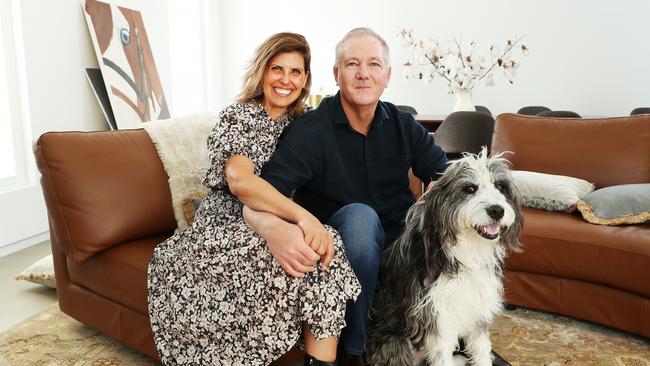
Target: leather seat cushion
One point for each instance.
(119, 273)
(565, 245)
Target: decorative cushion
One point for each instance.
(181, 143)
(550, 192)
(617, 205)
(191, 203)
(41, 272)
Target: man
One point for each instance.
(348, 163)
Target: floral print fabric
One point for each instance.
(216, 294)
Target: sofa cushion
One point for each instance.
(564, 245)
(550, 192)
(182, 145)
(604, 151)
(617, 205)
(119, 273)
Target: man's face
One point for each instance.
(362, 73)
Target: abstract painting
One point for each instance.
(127, 64)
(99, 88)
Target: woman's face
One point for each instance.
(283, 81)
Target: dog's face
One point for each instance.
(476, 197)
(489, 198)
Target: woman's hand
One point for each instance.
(318, 238)
(285, 241)
(289, 249)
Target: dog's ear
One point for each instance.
(511, 236)
(415, 242)
(439, 230)
(440, 217)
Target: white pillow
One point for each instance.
(41, 272)
(550, 192)
(182, 144)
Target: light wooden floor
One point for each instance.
(21, 299)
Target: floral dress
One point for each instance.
(217, 296)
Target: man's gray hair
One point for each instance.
(361, 32)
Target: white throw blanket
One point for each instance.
(182, 146)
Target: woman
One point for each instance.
(216, 294)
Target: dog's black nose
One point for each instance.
(495, 212)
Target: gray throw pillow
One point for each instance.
(617, 205)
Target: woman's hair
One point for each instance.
(253, 89)
(361, 32)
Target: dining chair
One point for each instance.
(532, 110)
(465, 132)
(480, 108)
(407, 109)
(560, 114)
(640, 110)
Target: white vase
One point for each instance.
(464, 101)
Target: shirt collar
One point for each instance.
(339, 117)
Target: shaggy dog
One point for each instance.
(440, 281)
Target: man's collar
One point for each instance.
(340, 118)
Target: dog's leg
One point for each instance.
(389, 351)
(479, 347)
(440, 350)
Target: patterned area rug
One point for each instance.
(526, 337)
(523, 337)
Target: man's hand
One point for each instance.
(285, 241)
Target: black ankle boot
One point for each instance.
(310, 361)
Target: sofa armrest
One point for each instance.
(101, 189)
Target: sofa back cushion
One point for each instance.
(604, 151)
(102, 189)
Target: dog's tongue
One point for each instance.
(492, 229)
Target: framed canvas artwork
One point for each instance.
(96, 81)
(127, 64)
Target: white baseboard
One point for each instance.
(22, 244)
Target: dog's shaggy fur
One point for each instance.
(441, 280)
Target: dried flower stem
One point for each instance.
(510, 47)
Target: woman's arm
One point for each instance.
(285, 241)
(259, 195)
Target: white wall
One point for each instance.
(57, 49)
(590, 57)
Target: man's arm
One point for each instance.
(429, 160)
(285, 241)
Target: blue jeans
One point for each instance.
(363, 237)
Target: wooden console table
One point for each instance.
(430, 121)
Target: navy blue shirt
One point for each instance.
(329, 165)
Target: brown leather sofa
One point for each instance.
(569, 266)
(109, 205)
